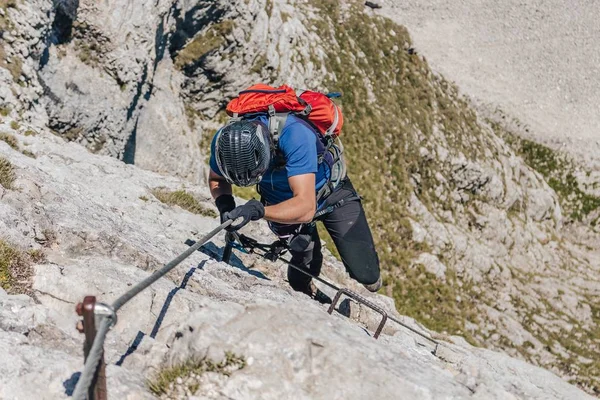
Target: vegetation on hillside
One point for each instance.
(15, 267)
(14, 65)
(189, 373)
(203, 44)
(184, 200)
(383, 139)
(7, 173)
(558, 170)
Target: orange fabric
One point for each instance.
(258, 98)
(323, 112)
(259, 102)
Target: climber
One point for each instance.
(296, 188)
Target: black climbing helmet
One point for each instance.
(243, 152)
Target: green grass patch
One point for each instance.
(162, 383)
(260, 64)
(558, 171)
(15, 66)
(10, 140)
(329, 244)
(7, 173)
(4, 4)
(15, 267)
(433, 301)
(28, 153)
(203, 44)
(14, 144)
(246, 193)
(184, 200)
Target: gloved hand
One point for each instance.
(253, 210)
(225, 203)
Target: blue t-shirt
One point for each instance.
(300, 145)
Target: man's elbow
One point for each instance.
(308, 215)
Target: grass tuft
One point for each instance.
(203, 44)
(15, 267)
(7, 173)
(184, 200)
(10, 140)
(163, 383)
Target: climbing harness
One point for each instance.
(274, 252)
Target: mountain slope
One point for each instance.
(473, 240)
(470, 237)
(101, 230)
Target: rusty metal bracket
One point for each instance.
(87, 309)
(364, 301)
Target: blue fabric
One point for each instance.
(300, 145)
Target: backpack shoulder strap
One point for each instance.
(276, 123)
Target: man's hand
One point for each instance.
(225, 203)
(253, 210)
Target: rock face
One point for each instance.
(123, 81)
(473, 241)
(109, 232)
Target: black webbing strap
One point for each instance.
(332, 207)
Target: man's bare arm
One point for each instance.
(299, 209)
(218, 185)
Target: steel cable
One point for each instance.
(97, 349)
(121, 301)
(246, 241)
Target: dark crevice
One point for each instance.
(62, 25)
(138, 93)
(129, 151)
(192, 22)
(65, 14)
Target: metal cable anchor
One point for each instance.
(103, 310)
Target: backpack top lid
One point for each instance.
(258, 98)
(315, 107)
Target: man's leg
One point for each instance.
(306, 255)
(352, 236)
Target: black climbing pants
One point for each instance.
(347, 225)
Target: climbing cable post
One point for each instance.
(229, 241)
(364, 301)
(92, 381)
(97, 387)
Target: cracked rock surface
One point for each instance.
(107, 238)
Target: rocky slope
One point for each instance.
(537, 61)
(101, 230)
(480, 234)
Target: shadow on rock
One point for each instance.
(159, 320)
(213, 251)
(70, 383)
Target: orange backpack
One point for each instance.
(316, 108)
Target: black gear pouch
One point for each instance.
(300, 242)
